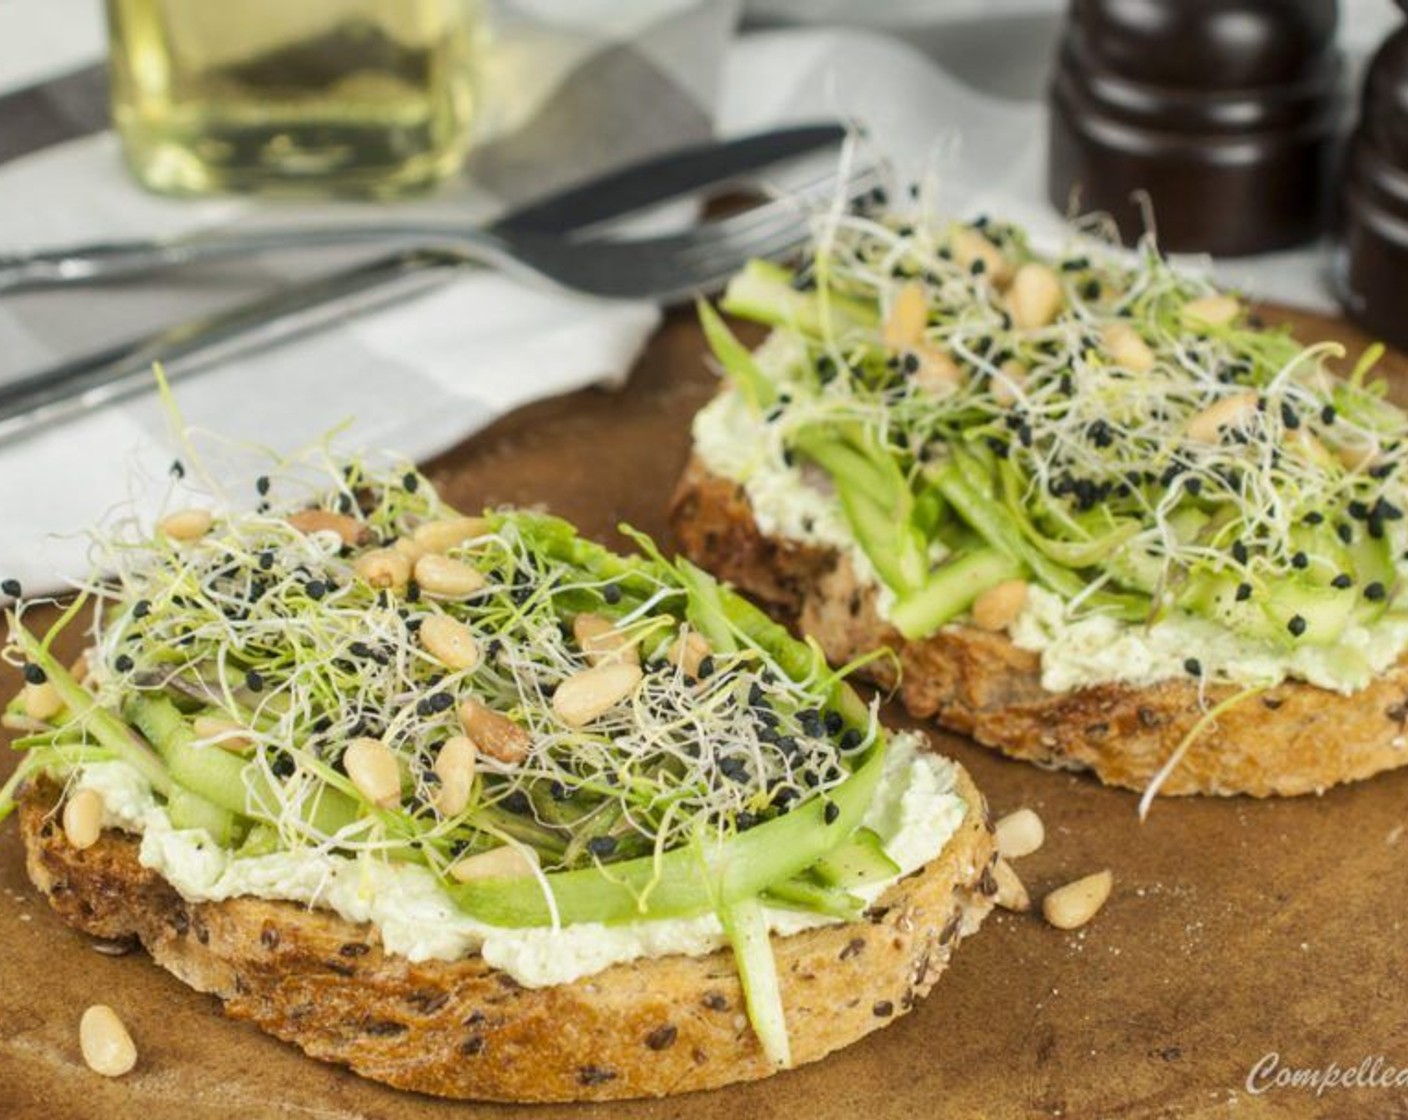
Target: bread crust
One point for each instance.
(1292, 739)
(463, 1029)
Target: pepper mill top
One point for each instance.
(1372, 258)
(1220, 111)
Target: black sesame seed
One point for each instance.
(978, 267)
(1193, 667)
(601, 846)
(33, 674)
(834, 723)
(611, 593)
(177, 469)
(851, 739)
(1344, 532)
(517, 802)
(1296, 625)
(1375, 592)
(1289, 416)
(734, 769)
(1091, 289)
(254, 681)
(266, 561)
(141, 608)
(1239, 552)
(11, 587)
(1343, 582)
(1314, 517)
(261, 485)
(706, 667)
(831, 812)
(440, 701)
(315, 589)
(1244, 592)
(410, 482)
(1300, 560)
(1327, 414)
(123, 663)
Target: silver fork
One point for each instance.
(653, 268)
(662, 268)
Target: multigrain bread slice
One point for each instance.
(1291, 739)
(463, 1029)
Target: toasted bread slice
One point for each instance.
(1291, 739)
(464, 1029)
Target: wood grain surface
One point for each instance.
(1238, 929)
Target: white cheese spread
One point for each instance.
(915, 812)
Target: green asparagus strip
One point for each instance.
(951, 590)
(684, 882)
(737, 360)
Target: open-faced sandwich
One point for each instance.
(479, 808)
(1100, 517)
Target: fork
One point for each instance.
(661, 268)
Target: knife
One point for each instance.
(79, 385)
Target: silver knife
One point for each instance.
(77, 386)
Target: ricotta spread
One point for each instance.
(915, 812)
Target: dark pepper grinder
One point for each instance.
(1221, 112)
(1371, 265)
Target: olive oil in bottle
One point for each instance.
(302, 97)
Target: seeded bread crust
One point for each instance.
(1292, 739)
(463, 1029)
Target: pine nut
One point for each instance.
(383, 568)
(688, 652)
(455, 764)
(908, 318)
(1310, 447)
(449, 642)
(591, 693)
(1006, 388)
(507, 862)
(1211, 311)
(1071, 906)
(447, 579)
(222, 733)
(83, 818)
(408, 548)
(998, 607)
(373, 769)
(41, 701)
(186, 524)
(599, 639)
(938, 373)
(1207, 426)
(1019, 834)
(1036, 296)
(107, 1047)
(1127, 348)
(969, 245)
(1356, 455)
(445, 534)
(1011, 894)
(494, 734)
(82, 667)
(349, 529)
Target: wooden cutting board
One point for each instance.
(1237, 930)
